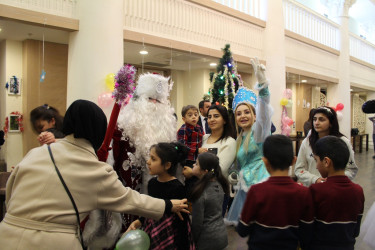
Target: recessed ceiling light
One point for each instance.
(304, 81)
(143, 52)
(0, 29)
(213, 64)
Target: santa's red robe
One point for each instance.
(132, 176)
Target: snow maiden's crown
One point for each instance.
(244, 95)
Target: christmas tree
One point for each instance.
(225, 82)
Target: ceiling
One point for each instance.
(19, 31)
(171, 59)
(295, 78)
(161, 58)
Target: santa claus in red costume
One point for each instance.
(147, 119)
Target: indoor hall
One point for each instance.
(316, 53)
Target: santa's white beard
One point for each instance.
(146, 123)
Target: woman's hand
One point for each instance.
(46, 138)
(321, 180)
(187, 172)
(259, 70)
(135, 225)
(202, 150)
(179, 206)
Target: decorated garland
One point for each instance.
(19, 121)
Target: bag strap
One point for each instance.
(69, 194)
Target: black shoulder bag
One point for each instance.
(70, 196)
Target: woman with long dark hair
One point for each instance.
(221, 140)
(324, 121)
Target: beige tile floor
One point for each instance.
(365, 178)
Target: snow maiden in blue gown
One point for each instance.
(253, 118)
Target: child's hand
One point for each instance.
(135, 225)
(202, 150)
(321, 180)
(46, 138)
(179, 206)
(187, 172)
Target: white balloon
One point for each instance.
(339, 115)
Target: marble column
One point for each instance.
(274, 54)
(340, 93)
(96, 49)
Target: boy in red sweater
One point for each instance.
(278, 213)
(338, 202)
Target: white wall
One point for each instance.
(189, 88)
(308, 58)
(95, 50)
(176, 95)
(2, 92)
(363, 75)
(11, 64)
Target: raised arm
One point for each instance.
(113, 196)
(264, 111)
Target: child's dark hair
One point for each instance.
(186, 108)
(173, 152)
(278, 149)
(210, 162)
(335, 149)
(46, 113)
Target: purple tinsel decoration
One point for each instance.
(125, 83)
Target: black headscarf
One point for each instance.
(86, 120)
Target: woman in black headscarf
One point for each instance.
(40, 213)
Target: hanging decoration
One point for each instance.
(14, 86)
(286, 122)
(43, 74)
(226, 81)
(14, 123)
